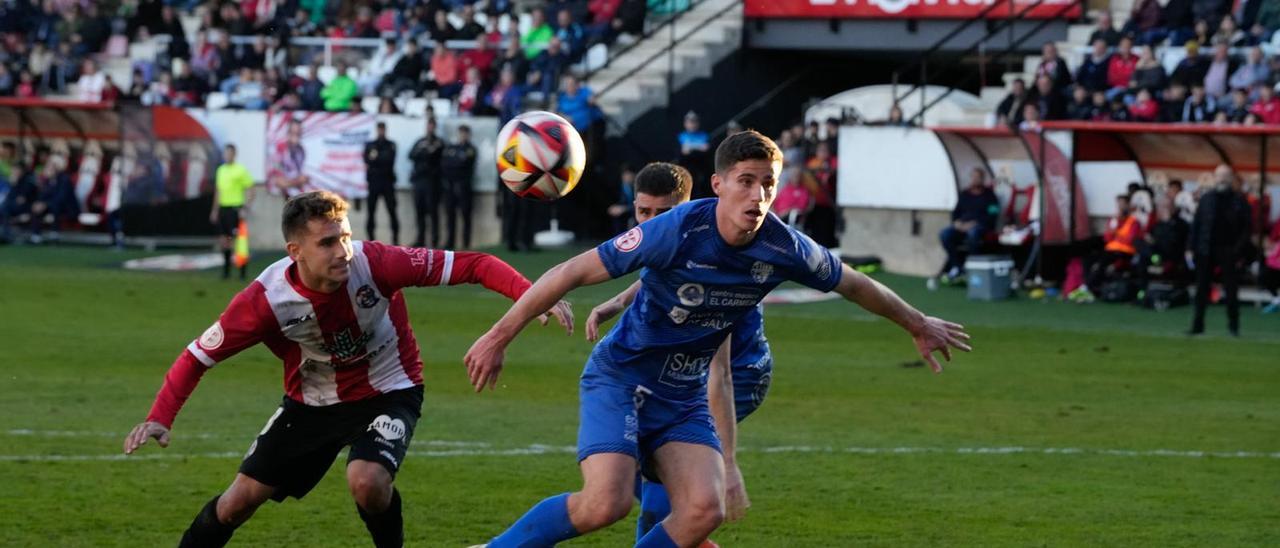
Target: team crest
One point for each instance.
(629, 240)
(212, 337)
(691, 294)
(760, 272)
(366, 297)
(678, 315)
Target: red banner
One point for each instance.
(911, 9)
(1056, 223)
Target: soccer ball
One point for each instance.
(540, 156)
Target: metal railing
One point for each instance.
(667, 22)
(669, 51)
(922, 61)
(1009, 49)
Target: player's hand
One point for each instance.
(938, 335)
(142, 432)
(563, 311)
(484, 361)
(213, 218)
(600, 314)
(736, 501)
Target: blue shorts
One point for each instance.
(627, 418)
(751, 385)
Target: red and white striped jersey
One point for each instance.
(348, 345)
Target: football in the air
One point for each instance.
(540, 156)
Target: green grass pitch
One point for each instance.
(1068, 426)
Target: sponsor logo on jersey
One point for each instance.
(300, 319)
(629, 240)
(691, 294)
(681, 369)
(678, 315)
(693, 265)
(346, 347)
(760, 271)
(212, 337)
(366, 297)
(390, 429)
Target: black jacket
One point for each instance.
(380, 159)
(1221, 225)
(426, 155)
(459, 163)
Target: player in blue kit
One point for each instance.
(659, 187)
(643, 393)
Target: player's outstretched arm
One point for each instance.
(720, 400)
(930, 334)
(179, 382)
(484, 359)
(604, 311)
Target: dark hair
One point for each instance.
(745, 145)
(464, 127)
(1176, 182)
(230, 146)
(662, 179)
(383, 125)
(319, 204)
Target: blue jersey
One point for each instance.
(694, 289)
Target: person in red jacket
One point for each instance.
(1120, 68)
(1144, 108)
(1267, 108)
(334, 313)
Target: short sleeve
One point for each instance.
(652, 243)
(397, 267)
(241, 325)
(813, 265)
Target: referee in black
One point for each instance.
(232, 192)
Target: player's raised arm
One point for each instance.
(930, 334)
(604, 311)
(484, 359)
(238, 328)
(408, 266)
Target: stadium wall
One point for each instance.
(248, 131)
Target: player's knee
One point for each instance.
(603, 510)
(704, 513)
(236, 507)
(370, 487)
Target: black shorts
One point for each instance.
(300, 442)
(228, 221)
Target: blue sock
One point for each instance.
(657, 538)
(654, 507)
(543, 525)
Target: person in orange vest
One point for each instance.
(1119, 249)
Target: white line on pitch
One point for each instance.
(539, 449)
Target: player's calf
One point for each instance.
(220, 517)
(377, 502)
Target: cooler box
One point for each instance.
(988, 277)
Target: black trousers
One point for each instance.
(458, 197)
(517, 222)
(386, 191)
(426, 207)
(1205, 265)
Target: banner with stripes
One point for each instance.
(318, 151)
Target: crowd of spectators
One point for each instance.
(54, 48)
(1224, 78)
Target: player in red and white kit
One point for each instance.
(334, 313)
